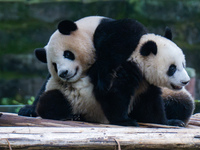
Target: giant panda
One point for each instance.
(76, 40)
(65, 97)
(130, 67)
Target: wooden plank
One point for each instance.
(38, 133)
(98, 138)
(10, 119)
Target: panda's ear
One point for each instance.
(40, 54)
(148, 48)
(66, 27)
(168, 33)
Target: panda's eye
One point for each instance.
(171, 70)
(69, 55)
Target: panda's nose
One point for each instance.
(63, 74)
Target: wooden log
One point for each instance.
(10, 119)
(98, 138)
(38, 133)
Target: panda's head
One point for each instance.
(70, 52)
(162, 62)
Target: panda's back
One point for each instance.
(117, 39)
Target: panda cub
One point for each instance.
(130, 66)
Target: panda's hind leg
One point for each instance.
(53, 105)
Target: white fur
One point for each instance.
(155, 67)
(81, 97)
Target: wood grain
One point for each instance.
(35, 133)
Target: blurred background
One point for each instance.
(28, 24)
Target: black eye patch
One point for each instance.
(171, 70)
(69, 55)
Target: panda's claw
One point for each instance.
(28, 111)
(176, 122)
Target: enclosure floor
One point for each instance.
(17, 132)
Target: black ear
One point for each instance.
(66, 27)
(40, 54)
(168, 33)
(148, 47)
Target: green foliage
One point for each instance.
(18, 100)
(23, 36)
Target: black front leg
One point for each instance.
(53, 105)
(148, 107)
(116, 98)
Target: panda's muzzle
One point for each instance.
(65, 74)
(175, 87)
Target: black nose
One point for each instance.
(63, 74)
(185, 82)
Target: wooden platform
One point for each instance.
(17, 132)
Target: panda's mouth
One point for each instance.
(68, 78)
(175, 87)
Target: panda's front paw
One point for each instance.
(28, 110)
(54, 105)
(176, 122)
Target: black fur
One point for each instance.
(66, 27)
(148, 48)
(55, 67)
(40, 54)
(115, 79)
(168, 33)
(178, 108)
(54, 105)
(116, 99)
(149, 106)
(114, 41)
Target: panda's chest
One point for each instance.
(80, 91)
(81, 97)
